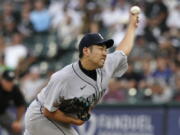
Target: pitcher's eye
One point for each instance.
(102, 47)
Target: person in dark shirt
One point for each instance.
(10, 95)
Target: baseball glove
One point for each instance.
(79, 106)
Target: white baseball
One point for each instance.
(135, 10)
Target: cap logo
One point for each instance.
(11, 74)
(100, 36)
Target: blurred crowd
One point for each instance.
(39, 37)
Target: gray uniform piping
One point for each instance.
(56, 126)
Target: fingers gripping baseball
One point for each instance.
(134, 16)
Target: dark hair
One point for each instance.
(80, 53)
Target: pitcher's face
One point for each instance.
(97, 55)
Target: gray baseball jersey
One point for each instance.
(68, 83)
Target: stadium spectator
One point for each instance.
(142, 50)
(10, 28)
(176, 92)
(10, 19)
(118, 12)
(25, 26)
(117, 92)
(38, 15)
(163, 70)
(161, 92)
(69, 27)
(173, 15)
(10, 96)
(15, 52)
(9, 12)
(157, 14)
(31, 83)
(2, 45)
(2, 48)
(27, 5)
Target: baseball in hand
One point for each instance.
(135, 10)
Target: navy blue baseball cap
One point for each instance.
(94, 39)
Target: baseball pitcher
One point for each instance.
(73, 91)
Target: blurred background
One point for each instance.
(39, 37)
